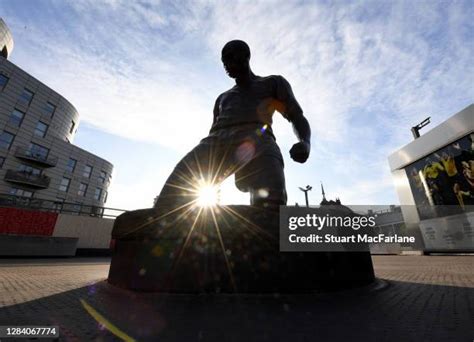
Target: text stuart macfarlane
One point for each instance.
(355, 238)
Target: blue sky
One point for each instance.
(144, 76)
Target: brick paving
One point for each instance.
(426, 298)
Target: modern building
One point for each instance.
(37, 129)
(434, 179)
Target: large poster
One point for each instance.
(442, 183)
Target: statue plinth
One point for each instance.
(225, 249)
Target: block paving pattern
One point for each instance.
(423, 298)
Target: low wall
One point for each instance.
(26, 232)
(93, 232)
(30, 245)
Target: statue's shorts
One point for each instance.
(251, 154)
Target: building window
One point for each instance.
(41, 129)
(29, 169)
(77, 208)
(82, 189)
(26, 97)
(106, 195)
(6, 140)
(102, 177)
(21, 193)
(97, 194)
(87, 171)
(16, 117)
(49, 109)
(73, 124)
(64, 186)
(71, 165)
(38, 151)
(58, 205)
(3, 81)
(2, 160)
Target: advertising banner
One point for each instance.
(442, 183)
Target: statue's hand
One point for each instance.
(300, 151)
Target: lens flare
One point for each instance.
(208, 195)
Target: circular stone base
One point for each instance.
(223, 251)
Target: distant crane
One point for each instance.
(305, 190)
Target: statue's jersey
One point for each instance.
(255, 103)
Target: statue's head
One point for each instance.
(236, 57)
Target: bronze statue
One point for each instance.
(241, 140)
(176, 247)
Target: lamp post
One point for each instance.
(305, 190)
(415, 130)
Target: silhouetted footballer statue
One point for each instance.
(241, 140)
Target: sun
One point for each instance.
(208, 195)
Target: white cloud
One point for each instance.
(336, 59)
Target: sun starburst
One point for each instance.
(208, 195)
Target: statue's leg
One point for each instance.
(264, 177)
(269, 190)
(205, 164)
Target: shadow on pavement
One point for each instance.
(399, 312)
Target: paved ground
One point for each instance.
(427, 298)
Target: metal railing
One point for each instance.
(12, 201)
(23, 177)
(26, 153)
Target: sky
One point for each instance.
(144, 76)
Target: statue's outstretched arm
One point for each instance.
(292, 111)
(300, 151)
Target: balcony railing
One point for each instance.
(25, 153)
(27, 178)
(7, 200)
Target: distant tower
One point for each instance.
(330, 202)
